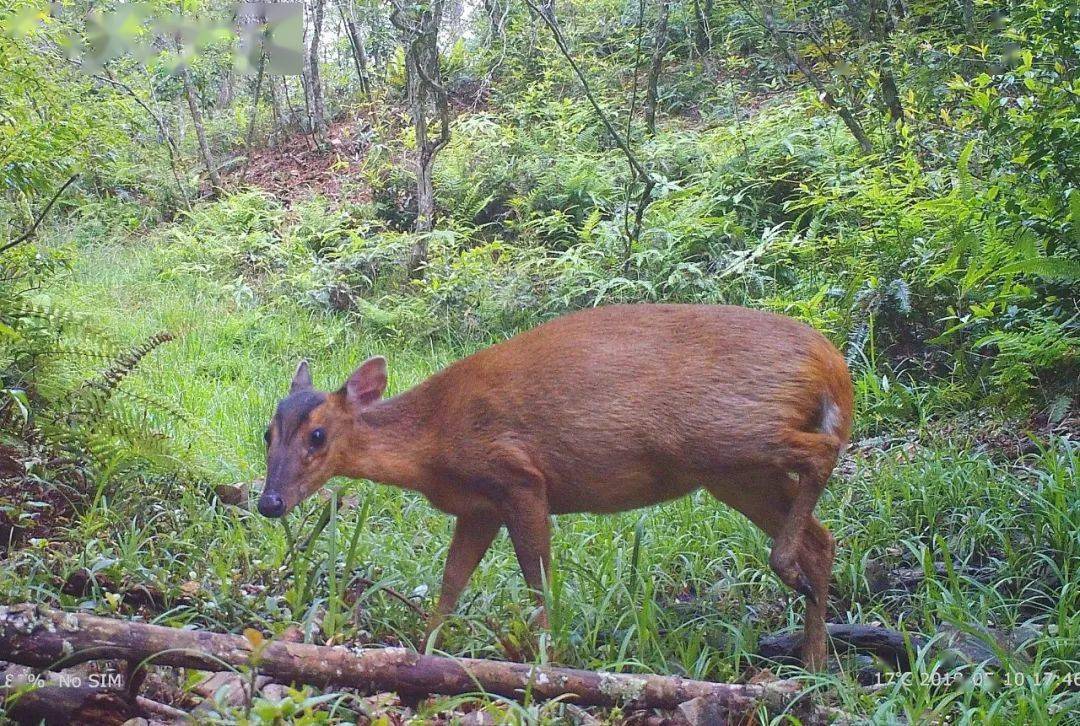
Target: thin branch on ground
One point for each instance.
(367, 582)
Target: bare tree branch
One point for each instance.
(546, 13)
(41, 215)
(811, 75)
(254, 114)
(660, 49)
(560, 41)
(419, 29)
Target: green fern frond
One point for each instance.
(88, 348)
(123, 365)
(42, 312)
(170, 411)
(1061, 269)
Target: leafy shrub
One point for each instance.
(393, 194)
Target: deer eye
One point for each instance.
(317, 438)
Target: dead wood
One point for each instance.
(909, 579)
(161, 711)
(364, 583)
(62, 699)
(60, 705)
(980, 645)
(46, 638)
(885, 643)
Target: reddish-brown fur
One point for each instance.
(599, 411)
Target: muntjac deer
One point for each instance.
(602, 410)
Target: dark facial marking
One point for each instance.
(294, 409)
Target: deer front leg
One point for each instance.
(473, 535)
(530, 531)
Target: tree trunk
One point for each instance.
(254, 114)
(890, 95)
(75, 705)
(884, 643)
(496, 18)
(279, 112)
(308, 122)
(318, 108)
(419, 30)
(425, 220)
(288, 100)
(46, 638)
(660, 47)
(356, 44)
(362, 59)
(425, 159)
(181, 127)
(225, 91)
(702, 38)
(200, 133)
(880, 28)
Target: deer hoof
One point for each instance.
(802, 585)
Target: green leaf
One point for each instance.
(1049, 268)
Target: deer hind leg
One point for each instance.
(816, 555)
(768, 499)
(813, 464)
(530, 532)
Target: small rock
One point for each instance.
(763, 676)
(292, 634)
(701, 711)
(274, 692)
(235, 495)
(213, 683)
(81, 582)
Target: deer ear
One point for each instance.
(301, 380)
(366, 385)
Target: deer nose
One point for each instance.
(271, 505)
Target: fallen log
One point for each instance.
(957, 647)
(908, 579)
(46, 638)
(160, 711)
(884, 643)
(63, 705)
(60, 698)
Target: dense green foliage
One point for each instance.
(903, 177)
